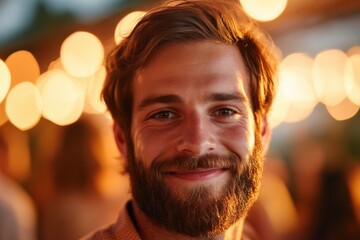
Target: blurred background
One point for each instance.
(60, 172)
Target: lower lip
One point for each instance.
(198, 175)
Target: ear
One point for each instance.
(120, 140)
(265, 134)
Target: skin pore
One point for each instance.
(193, 137)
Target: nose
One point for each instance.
(197, 136)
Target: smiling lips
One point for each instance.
(197, 174)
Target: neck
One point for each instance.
(148, 230)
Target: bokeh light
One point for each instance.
(352, 78)
(94, 102)
(5, 80)
(298, 113)
(264, 10)
(63, 97)
(296, 73)
(127, 24)
(296, 96)
(23, 105)
(56, 64)
(23, 66)
(344, 110)
(3, 116)
(81, 54)
(328, 76)
(279, 111)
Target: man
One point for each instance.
(189, 91)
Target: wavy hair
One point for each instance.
(184, 21)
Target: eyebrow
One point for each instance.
(160, 99)
(213, 97)
(225, 97)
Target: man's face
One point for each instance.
(195, 158)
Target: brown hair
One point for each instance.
(183, 21)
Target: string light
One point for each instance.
(352, 78)
(23, 66)
(328, 76)
(3, 116)
(93, 97)
(5, 80)
(63, 98)
(23, 105)
(343, 111)
(264, 10)
(127, 24)
(81, 54)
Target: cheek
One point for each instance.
(149, 144)
(239, 139)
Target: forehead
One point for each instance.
(197, 65)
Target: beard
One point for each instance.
(196, 210)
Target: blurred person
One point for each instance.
(189, 91)
(274, 214)
(334, 216)
(354, 186)
(78, 204)
(323, 198)
(307, 159)
(18, 217)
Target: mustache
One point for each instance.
(230, 161)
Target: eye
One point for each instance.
(226, 113)
(162, 115)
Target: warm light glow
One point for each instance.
(343, 111)
(354, 51)
(298, 113)
(296, 74)
(19, 161)
(3, 116)
(95, 104)
(23, 67)
(264, 10)
(278, 204)
(23, 105)
(354, 186)
(81, 54)
(328, 76)
(279, 111)
(5, 80)
(55, 65)
(63, 98)
(296, 97)
(127, 24)
(352, 78)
